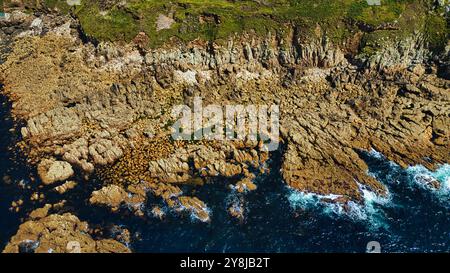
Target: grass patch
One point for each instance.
(218, 19)
(436, 29)
(112, 25)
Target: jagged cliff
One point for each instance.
(103, 109)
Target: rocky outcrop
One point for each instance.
(60, 234)
(245, 185)
(112, 196)
(51, 171)
(195, 206)
(40, 212)
(164, 22)
(400, 54)
(209, 159)
(106, 111)
(94, 124)
(397, 120)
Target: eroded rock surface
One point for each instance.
(51, 171)
(105, 111)
(61, 234)
(112, 196)
(328, 112)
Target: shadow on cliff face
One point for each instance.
(444, 71)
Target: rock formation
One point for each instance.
(104, 110)
(60, 234)
(51, 171)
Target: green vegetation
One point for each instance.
(414, 17)
(218, 19)
(389, 11)
(117, 24)
(60, 5)
(437, 31)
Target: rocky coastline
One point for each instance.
(103, 110)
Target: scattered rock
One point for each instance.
(66, 187)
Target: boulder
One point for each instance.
(51, 171)
(112, 196)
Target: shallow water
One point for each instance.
(413, 218)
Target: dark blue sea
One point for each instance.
(413, 218)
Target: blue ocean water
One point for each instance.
(12, 173)
(413, 218)
(279, 219)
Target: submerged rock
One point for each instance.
(428, 181)
(237, 210)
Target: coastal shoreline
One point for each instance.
(103, 110)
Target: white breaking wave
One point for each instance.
(370, 211)
(375, 154)
(421, 176)
(194, 216)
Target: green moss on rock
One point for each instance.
(216, 20)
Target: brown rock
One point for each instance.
(66, 187)
(112, 196)
(195, 206)
(41, 212)
(51, 171)
(60, 234)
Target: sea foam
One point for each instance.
(418, 174)
(369, 211)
